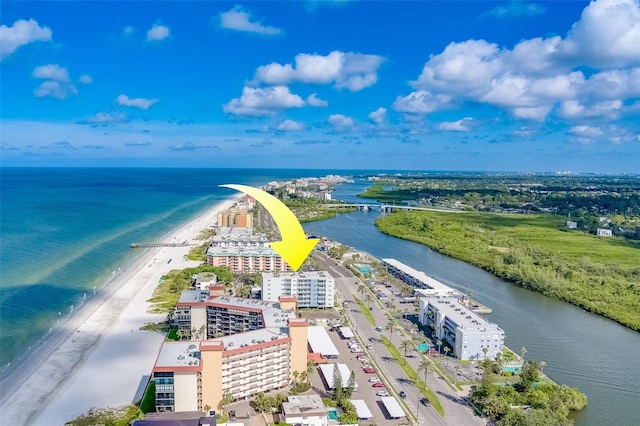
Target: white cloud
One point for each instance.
(588, 73)
(58, 84)
(378, 116)
(586, 131)
(55, 89)
(576, 109)
(353, 71)
(516, 8)
(314, 101)
(607, 34)
(22, 32)
(463, 125)
(290, 126)
(158, 32)
(263, 101)
(51, 72)
(341, 122)
(105, 118)
(421, 102)
(239, 20)
(128, 31)
(86, 79)
(141, 103)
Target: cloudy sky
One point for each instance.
(422, 85)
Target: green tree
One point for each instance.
(227, 399)
(529, 375)
(494, 407)
(391, 326)
(513, 417)
(351, 385)
(425, 367)
(338, 391)
(406, 346)
(262, 403)
(439, 343)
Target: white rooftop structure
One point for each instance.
(418, 278)
(233, 231)
(180, 354)
(392, 407)
(362, 409)
(463, 316)
(320, 342)
(251, 251)
(327, 372)
(346, 332)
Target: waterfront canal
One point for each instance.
(597, 355)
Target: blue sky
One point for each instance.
(508, 86)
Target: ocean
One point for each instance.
(65, 232)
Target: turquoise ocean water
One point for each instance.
(66, 230)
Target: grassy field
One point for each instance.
(601, 275)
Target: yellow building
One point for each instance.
(263, 344)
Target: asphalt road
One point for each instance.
(456, 410)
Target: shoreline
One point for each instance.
(99, 357)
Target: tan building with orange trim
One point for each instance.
(261, 345)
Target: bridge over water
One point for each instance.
(387, 208)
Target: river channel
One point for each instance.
(597, 355)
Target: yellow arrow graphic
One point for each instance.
(294, 247)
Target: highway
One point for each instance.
(457, 412)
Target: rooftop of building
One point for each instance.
(242, 251)
(261, 238)
(304, 405)
(253, 337)
(419, 275)
(461, 315)
(299, 275)
(233, 231)
(179, 354)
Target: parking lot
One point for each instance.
(365, 390)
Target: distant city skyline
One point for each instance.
(460, 86)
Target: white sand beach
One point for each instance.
(100, 357)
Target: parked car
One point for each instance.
(402, 394)
(357, 350)
(425, 402)
(369, 370)
(377, 385)
(379, 329)
(382, 393)
(374, 380)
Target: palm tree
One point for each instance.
(406, 346)
(523, 352)
(439, 343)
(425, 367)
(457, 368)
(484, 351)
(542, 364)
(180, 334)
(368, 299)
(446, 351)
(361, 289)
(391, 325)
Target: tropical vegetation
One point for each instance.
(601, 275)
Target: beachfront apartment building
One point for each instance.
(238, 217)
(471, 337)
(258, 347)
(312, 289)
(238, 237)
(247, 259)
